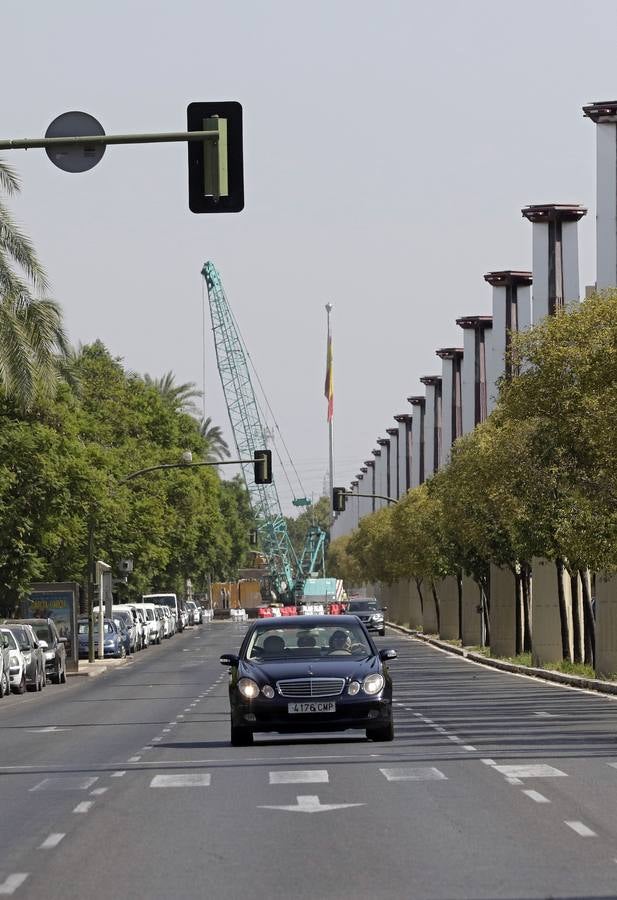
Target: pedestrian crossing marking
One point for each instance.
(421, 773)
(67, 783)
(530, 771)
(173, 781)
(299, 776)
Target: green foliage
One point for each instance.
(316, 514)
(341, 564)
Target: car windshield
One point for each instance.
(82, 628)
(22, 638)
(362, 606)
(43, 632)
(12, 641)
(292, 642)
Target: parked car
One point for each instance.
(309, 673)
(370, 613)
(194, 613)
(5, 666)
(137, 628)
(170, 620)
(17, 669)
(124, 620)
(54, 648)
(114, 642)
(152, 621)
(32, 652)
(163, 621)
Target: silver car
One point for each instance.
(33, 654)
(17, 671)
(5, 665)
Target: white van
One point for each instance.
(152, 621)
(169, 600)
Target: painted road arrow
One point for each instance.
(311, 804)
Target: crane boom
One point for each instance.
(249, 435)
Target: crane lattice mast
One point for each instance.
(249, 435)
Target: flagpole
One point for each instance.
(330, 438)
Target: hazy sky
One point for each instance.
(389, 148)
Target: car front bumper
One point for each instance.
(274, 715)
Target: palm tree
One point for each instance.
(217, 447)
(31, 330)
(179, 396)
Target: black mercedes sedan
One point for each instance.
(301, 674)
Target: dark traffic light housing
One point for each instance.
(339, 498)
(262, 460)
(216, 174)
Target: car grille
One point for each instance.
(311, 687)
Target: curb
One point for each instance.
(93, 670)
(574, 681)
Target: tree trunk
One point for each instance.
(485, 600)
(519, 614)
(563, 610)
(459, 582)
(589, 619)
(437, 610)
(419, 589)
(577, 624)
(526, 584)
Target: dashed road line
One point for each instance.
(534, 770)
(119, 773)
(299, 776)
(134, 758)
(98, 792)
(469, 747)
(536, 796)
(426, 773)
(84, 807)
(580, 828)
(52, 841)
(488, 762)
(173, 781)
(10, 884)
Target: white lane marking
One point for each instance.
(515, 781)
(426, 773)
(539, 798)
(98, 792)
(469, 747)
(134, 758)
(119, 773)
(50, 729)
(10, 884)
(156, 739)
(84, 807)
(181, 717)
(145, 749)
(488, 762)
(430, 721)
(300, 776)
(453, 737)
(64, 784)
(193, 780)
(52, 841)
(530, 771)
(188, 709)
(311, 804)
(545, 715)
(171, 723)
(581, 829)
(418, 715)
(166, 730)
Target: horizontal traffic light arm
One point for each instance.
(167, 137)
(371, 496)
(181, 465)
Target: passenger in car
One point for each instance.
(305, 639)
(273, 645)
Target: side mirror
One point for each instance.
(384, 655)
(229, 659)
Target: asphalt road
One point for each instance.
(496, 786)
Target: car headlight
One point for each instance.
(377, 617)
(248, 688)
(354, 687)
(50, 654)
(373, 684)
(268, 691)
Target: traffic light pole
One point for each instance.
(371, 496)
(152, 138)
(187, 465)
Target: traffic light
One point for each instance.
(216, 176)
(263, 466)
(338, 499)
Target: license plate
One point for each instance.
(312, 707)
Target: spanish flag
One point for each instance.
(329, 386)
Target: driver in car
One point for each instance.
(340, 642)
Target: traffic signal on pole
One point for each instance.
(263, 466)
(216, 173)
(338, 499)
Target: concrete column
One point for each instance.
(471, 613)
(555, 257)
(364, 504)
(606, 625)
(449, 626)
(476, 338)
(417, 441)
(386, 472)
(605, 117)
(370, 464)
(451, 409)
(546, 632)
(511, 314)
(352, 505)
(503, 612)
(407, 610)
(393, 459)
(432, 424)
(405, 427)
(379, 460)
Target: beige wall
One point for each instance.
(471, 625)
(429, 618)
(403, 604)
(546, 630)
(447, 589)
(503, 612)
(606, 625)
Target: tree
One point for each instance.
(315, 514)
(31, 330)
(179, 396)
(217, 447)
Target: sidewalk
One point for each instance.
(93, 669)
